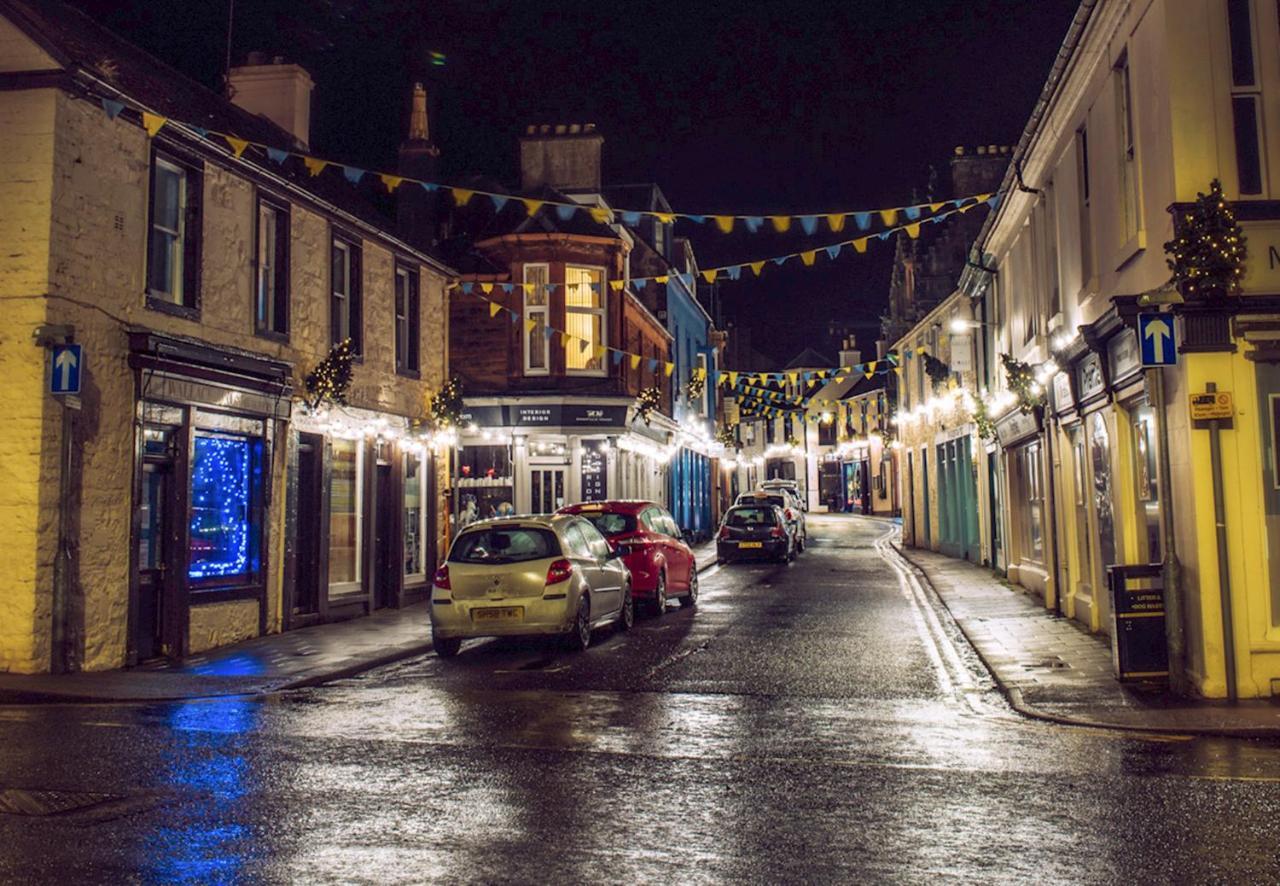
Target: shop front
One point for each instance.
(957, 494)
(533, 455)
(1019, 435)
(206, 481)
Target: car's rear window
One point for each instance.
(750, 517)
(610, 524)
(779, 500)
(498, 544)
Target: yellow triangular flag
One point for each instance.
(898, 369)
(700, 372)
(913, 230)
(616, 285)
(836, 222)
(967, 207)
(494, 307)
(666, 217)
(391, 181)
(860, 245)
(314, 165)
(669, 368)
(532, 206)
(781, 223)
(600, 215)
(153, 122)
(794, 376)
(600, 352)
(661, 280)
(528, 288)
(238, 145)
(723, 222)
(889, 216)
(461, 196)
(921, 349)
(934, 207)
(635, 361)
(756, 267)
(809, 257)
(709, 275)
(733, 378)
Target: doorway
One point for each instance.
(546, 490)
(155, 540)
(386, 584)
(306, 594)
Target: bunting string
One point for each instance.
(835, 220)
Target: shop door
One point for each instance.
(546, 490)
(306, 593)
(385, 558)
(155, 558)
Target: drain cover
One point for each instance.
(16, 801)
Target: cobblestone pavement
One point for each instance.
(1052, 667)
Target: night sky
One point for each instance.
(736, 107)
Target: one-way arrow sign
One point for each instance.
(68, 360)
(1155, 335)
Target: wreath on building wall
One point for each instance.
(445, 409)
(649, 400)
(330, 381)
(1208, 254)
(1021, 380)
(937, 371)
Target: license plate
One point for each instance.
(750, 544)
(498, 614)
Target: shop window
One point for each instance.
(484, 483)
(408, 331)
(416, 486)
(173, 236)
(226, 510)
(536, 356)
(1034, 492)
(584, 319)
(344, 302)
(271, 290)
(1146, 484)
(345, 518)
(827, 432)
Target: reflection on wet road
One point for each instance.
(814, 722)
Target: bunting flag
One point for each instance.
(494, 308)
(314, 166)
(112, 107)
(152, 123)
(238, 145)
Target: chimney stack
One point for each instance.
(278, 91)
(849, 355)
(563, 156)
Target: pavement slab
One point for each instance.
(1050, 667)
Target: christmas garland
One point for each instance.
(727, 436)
(331, 379)
(1207, 256)
(982, 420)
(1022, 383)
(694, 387)
(937, 371)
(648, 401)
(445, 409)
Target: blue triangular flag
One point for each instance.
(515, 318)
(809, 223)
(507, 287)
(112, 107)
(753, 222)
(277, 155)
(862, 219)
(734, 272)
(959, 201)
(630, 217)
(499, 201)
(429, 186)
(200, 131)
(653, 364)
(352, 174)
(781, 259)
(617, 357)
(993, 201)
(638, 283)
(467, 287)
(699, 219)
(834, 250)
(595, 286)
(565, 211)
(549, 333)
(884, 235)
(912, 212)
(551, 288)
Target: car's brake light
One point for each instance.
(790, 516)
(776, 532)
(724, 531)
(442, 578)
(559, 571)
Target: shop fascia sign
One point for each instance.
(1016, 427)
(546, 415)
(1262, 269)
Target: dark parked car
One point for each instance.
(755, 531)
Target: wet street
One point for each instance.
(821, 721)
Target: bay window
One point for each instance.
(584, 319)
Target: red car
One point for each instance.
(662, 565)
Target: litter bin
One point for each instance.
(1139, 647)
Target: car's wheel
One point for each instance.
(804, 540)
(627, 617)
(689, 600)
(446, 647)
(579, 637)
(658, 604)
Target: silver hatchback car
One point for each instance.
(528, 575)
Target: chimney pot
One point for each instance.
(959, 150)
(256, 58)
(981, 150)
(277, 59)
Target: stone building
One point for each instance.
(200, 503)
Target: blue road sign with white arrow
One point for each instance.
(64, 378)
(1155, 336)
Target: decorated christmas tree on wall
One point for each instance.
(1207, 256)
(331, 379)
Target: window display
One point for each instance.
(226, 474)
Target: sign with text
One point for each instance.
(1155, 335)
(1211, 405)
(595, 471)
(1262, 268)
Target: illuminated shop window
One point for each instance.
(226, 475)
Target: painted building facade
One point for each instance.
(185, 499)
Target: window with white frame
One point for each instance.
(1246, 98)
(416, 487)
(1086, 219)
(346, 520)
(536, 354)
(344, 303)
(1129, 205)
(173, 251)
(271, 298)
(703, 404)
(584, 319)
(408, 331)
